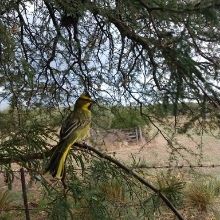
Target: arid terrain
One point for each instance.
(195, 150)
(148, 152)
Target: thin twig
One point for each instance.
(110, 159)
(133, 174)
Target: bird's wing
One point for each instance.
(71, 124)
(66, 131)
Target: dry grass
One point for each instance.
(113, 191)
(200, 196)
(157, 152)
(5, 199)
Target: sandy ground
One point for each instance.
(195, 150)
(155, 151)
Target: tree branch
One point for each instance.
(129, 171)
(133, 174)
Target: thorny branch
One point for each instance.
(129, 171)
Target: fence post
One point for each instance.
(24, 193)
(140, 133)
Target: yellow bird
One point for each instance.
(75, 128)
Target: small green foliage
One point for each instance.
(170, 185)
(127, 117)
(61, 209)
(6, 122)
(102, 117)
(211, 15)
(7, 45)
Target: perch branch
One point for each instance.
(135, 175)
(129, 171)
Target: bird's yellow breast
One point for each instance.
(85, 107)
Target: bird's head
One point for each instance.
(84, 101)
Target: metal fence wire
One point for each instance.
(22, 178)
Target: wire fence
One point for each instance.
(24, 195)
(26, 205)
(148, 167)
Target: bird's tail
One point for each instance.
(56, 164)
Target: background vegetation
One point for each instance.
(146, 63)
